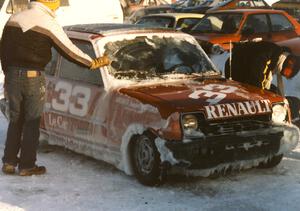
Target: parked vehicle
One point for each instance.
(160, 106)
(130, 6)
(138, 14)
(182, 21)
(212, 5)
(223, 27)
(241, 4)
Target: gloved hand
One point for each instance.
(100, 62)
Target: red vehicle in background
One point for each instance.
(225, 26)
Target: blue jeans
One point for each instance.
(26, 101)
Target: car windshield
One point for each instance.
(225, 23)
(148, 57)
(165, 22)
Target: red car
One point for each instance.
(223, 27)
(160, 106)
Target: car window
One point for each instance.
(219, 23)
(165, 22)
(187, 23)
(16, 6)
(72, 71)
(280, 23)
(256, 23)
(50, 68)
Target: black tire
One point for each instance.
(274, 161)
(145, 160)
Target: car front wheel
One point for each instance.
(146, 161)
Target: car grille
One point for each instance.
(234, 125)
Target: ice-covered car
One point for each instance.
(161, 106)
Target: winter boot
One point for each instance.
(8, 168)
(36, 170)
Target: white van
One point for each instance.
(71, 11)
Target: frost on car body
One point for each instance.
(160, 105)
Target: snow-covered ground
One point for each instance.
(75, 182)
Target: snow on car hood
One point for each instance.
(196, 95)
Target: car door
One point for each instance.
(281, 27)
(73, 99)
(256, 27)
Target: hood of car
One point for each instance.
(195, 95)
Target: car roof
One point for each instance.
(246, 11)
(105, 29)
(177, 15)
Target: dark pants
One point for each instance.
(26, 102)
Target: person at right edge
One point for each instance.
(255, 63)
(27, 39)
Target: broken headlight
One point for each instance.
(189, 124)
(279, 113)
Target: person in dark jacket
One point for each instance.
(26, 44)
(255, 62)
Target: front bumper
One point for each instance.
(215, 151)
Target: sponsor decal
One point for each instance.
(237, 109)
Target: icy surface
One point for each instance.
(75, 182)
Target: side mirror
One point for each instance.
(248, 31)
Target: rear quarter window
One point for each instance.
(280, 23)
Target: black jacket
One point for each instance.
(252, 62)
(28, 37)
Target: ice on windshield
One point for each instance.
(144, 58)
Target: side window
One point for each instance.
(257, 23)
(72, 71)
(15, 6)
(187, 23)
(280, 23)
(51, 67)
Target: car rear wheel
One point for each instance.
(146, 161)
(274, 161)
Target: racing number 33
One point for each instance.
(213, 92)
(71, 99)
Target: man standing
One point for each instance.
(26, 45)
(255, 62)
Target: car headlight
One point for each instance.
(279, 113)
(189, 123)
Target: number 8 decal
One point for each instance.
(79, 106)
